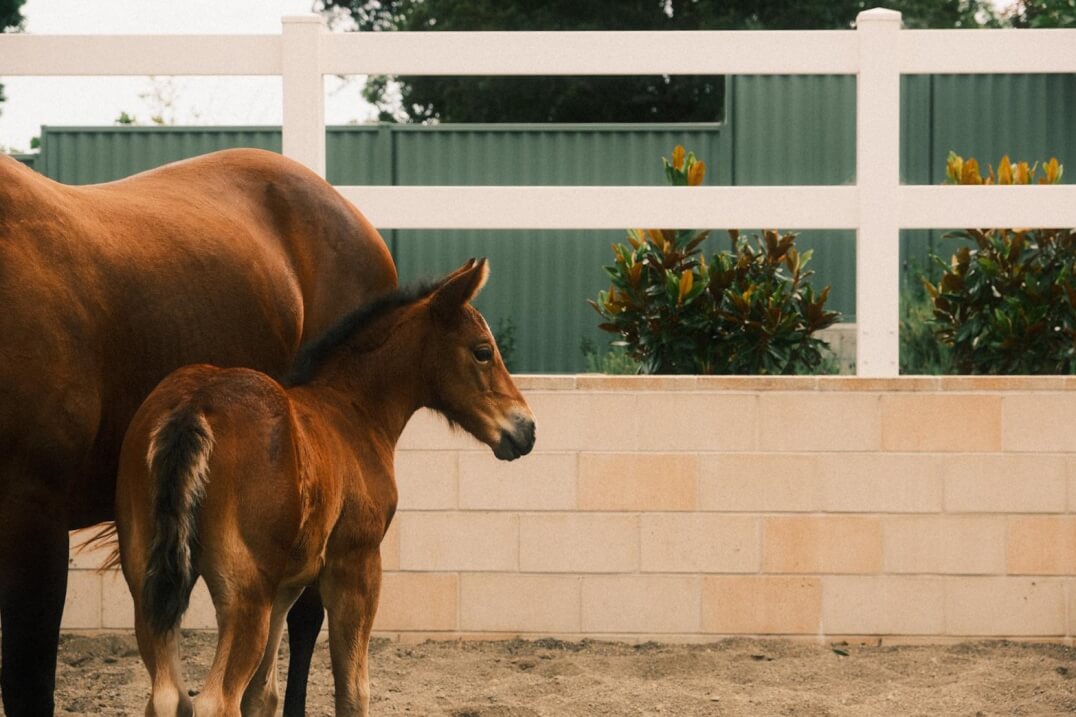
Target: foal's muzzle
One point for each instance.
(517, 441)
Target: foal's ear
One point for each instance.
(460, 287)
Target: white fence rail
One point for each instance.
(878, 52)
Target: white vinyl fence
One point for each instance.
(877, 52)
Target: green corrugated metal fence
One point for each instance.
(541, 279)
(87, 155)
(28, 159)
(781, 130)
(1028, 117)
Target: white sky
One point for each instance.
(36, 101)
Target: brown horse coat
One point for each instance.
(263, 489)
(234, 258)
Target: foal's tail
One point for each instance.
(178, 458)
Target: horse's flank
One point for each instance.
(234, 258)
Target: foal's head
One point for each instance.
(468, 381)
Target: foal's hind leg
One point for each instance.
(262, 694)
(244, 607)
(160, 654)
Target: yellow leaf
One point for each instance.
(1004, 171)
(678, 157)
(970, 173)
(696, 173)
(954, 167)
(1053, 171)
(687, 280)
(792, 260)
(610, 300)
(1023, 174)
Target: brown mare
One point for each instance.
(235, 259)
(264, 489)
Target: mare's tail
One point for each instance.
(178, 458)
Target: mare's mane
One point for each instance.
(314, 353)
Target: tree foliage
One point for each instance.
(597, 99)
(1044, 13)
(10, 21)
(11, 14)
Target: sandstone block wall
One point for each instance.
(692, 508)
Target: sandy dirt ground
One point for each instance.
(102, 675)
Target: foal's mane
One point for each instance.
(314, 353)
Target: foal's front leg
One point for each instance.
(349, 589)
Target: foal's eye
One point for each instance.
(483, 354)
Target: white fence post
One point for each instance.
(878, 180)
(304, 91)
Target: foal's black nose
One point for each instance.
(525, 428)
(518, 441)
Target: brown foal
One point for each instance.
(263, 489)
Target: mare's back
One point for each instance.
(233, 258)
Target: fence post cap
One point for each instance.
(878, 14)
(311, 18)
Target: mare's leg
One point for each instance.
(349, 587)
(33, 582)
(262, 695)
(244, 603)
(304, 624)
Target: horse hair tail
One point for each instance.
(178, 458)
